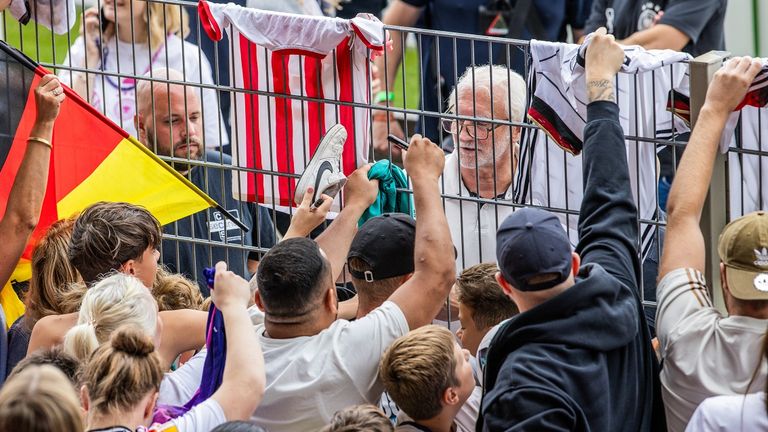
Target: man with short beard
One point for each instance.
(169, 120)
(484, 160)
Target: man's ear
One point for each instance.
(575, 263)
(257, 300)
(724, 283)
(331, 301)
(505, 286)
(138, 122)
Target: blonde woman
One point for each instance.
(39, 398)
(115, 301)
(134, 37)
(128, 362)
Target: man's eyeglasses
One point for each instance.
(476, 129)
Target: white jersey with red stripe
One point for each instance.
(548, 175)
(301, 75)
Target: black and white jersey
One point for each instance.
(548, 175)
(748, 171)
(743, 132)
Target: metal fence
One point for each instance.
(111, 86)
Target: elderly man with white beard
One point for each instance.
(483, 163)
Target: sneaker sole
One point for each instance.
(312, 172)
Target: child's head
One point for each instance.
(359, 418)
(56, 357)
(114, 236)
(426, 371)
(173, 292)
(39, 398)
(482, 304)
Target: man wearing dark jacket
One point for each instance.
(578, 357)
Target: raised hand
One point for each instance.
(731, 82)
(359, 190)
(49, 95)
(229, 289)
(603, 60)
(308, 217)
(424, 159)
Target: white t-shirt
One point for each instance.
(178, 387)
(201, 418)
(464, 421)
(309, 378)
(704, 354)
(730, 414)
(135, 59)
(473, 225)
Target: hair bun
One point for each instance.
(132, 341)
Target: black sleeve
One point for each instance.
(608, 216)
(528, 409)
(689, 16)
(596, 16)
(416, 3)
(577, 12)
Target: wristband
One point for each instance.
(384, 96)
(42, 141)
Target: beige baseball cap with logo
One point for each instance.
(743, 248)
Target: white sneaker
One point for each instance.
(323, 173)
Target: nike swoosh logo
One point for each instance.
(325, 166)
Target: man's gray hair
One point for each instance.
(508, 93)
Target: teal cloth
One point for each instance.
(390, 178)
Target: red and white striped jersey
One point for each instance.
(294, 77)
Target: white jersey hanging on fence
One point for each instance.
(300, 75)
(548, 176)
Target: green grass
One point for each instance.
(412, 90)
(37, 42)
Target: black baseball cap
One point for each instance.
(386, 244)
(532, 242)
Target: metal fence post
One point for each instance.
(715, 211)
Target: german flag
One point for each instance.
(92, 160)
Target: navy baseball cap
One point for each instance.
(532, 242)
(386, 244)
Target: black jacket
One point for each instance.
(583, 361)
